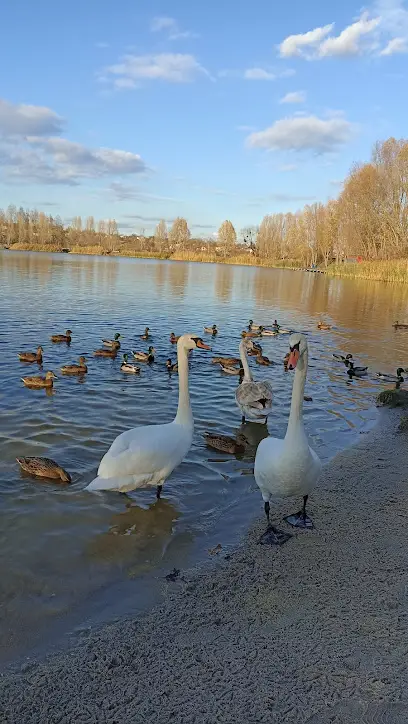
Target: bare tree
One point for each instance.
(179, 233)
(227, 236)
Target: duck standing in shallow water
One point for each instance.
(56, 338)
(38, 382)
(289, 467)
(31, 356)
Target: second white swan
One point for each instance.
(289, 467)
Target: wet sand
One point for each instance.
(315, 631)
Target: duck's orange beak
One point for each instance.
(202, 345)
(293, 359)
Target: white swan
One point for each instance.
(145, 456)
(289, 467)
(253, 398)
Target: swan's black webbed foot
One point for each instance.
(274, 537)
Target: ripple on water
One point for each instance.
(59, 544)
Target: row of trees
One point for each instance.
(369, 218)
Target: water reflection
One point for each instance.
(136, 535)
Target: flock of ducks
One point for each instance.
(145, 456)
(359, 371)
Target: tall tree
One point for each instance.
(227, 236)
(179, 233)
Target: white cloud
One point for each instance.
(294, 45)
(302, 134)
(163, 22)
(29, 150)
(364, 36)
(294, 97)
(170, 67)
(351, 40)
(21, 119)
(258, 74)
(396, 45)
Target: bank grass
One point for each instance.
(237, 259)
(385, 271)
(26, 246)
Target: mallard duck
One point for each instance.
(211, 330)
(342, 358)
(31, 356)
(172, 367)
(397, 325)
(226, 361)
(268, 332)
(275, 325)
(307, 398)
(111, 353)
(145, 334)
(230, 370)
(356, 371)
(173, 338)
(46, 381)
(145, 356)
(79, 369)
(392, 378)
(127, 367)
(323, 325)
(251, 326)
(112, 343)
(62, 337)
(225, 443)
(286, 359)
(261, 360)
(44, 468)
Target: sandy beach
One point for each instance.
(315, 631)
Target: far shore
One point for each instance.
(313, 631)
(381, 270)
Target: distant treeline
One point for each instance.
(369, 219)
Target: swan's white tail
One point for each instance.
(121, 484)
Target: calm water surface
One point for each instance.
(63, 549)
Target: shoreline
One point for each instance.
(313, 629)
(390, 272)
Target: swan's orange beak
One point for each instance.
(293, 359)
(202, 344)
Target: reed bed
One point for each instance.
(385, 271)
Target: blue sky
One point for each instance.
(147, 110)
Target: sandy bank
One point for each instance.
(315, 631)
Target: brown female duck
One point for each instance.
(44, 468)
(31, 356)
(62, 337)
(225, 443)
(38, 382)
(79, 369)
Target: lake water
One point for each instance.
(64, 552)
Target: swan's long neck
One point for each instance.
(296, 408)
(184, 413)
(244, 360)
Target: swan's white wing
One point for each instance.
(284, 468)
(143, 456)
